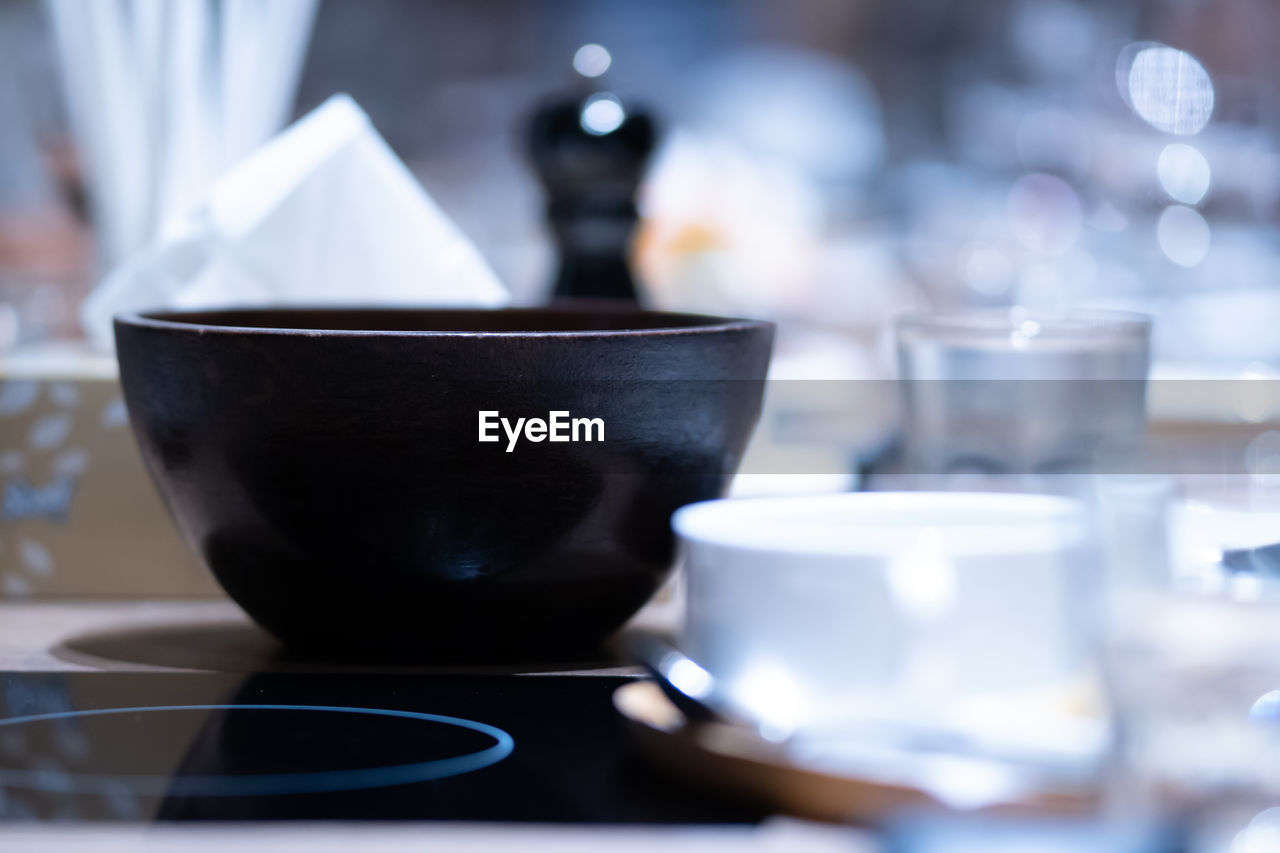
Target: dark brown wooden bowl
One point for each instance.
(326, 464)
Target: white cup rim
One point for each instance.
(881, 524)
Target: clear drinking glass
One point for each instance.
(1195, 681)
(1192, 664)
(1014, 394)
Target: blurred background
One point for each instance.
(825, 162)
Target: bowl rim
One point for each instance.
(172, 320)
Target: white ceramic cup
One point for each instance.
(937, 609)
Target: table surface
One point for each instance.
(181, 636)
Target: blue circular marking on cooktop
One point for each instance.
(263, 784)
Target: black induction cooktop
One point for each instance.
(175, 747)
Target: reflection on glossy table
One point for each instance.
(176, 636)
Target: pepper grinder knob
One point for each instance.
(590, 150)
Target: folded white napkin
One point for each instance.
(325, 213)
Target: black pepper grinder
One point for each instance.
(590, 150)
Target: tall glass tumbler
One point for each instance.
(1014, 394)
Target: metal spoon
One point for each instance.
(685, 682)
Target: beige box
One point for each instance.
(79, 517)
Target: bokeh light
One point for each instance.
(1262, 835)
(1183, 172)
(592, 60)
(767, 688)
(602, 113)
(1170, 90)
(1183, 235)
(1044, 213)
(1257, 399)
(923, 579)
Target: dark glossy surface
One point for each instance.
(330, 473)
(568, 760)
